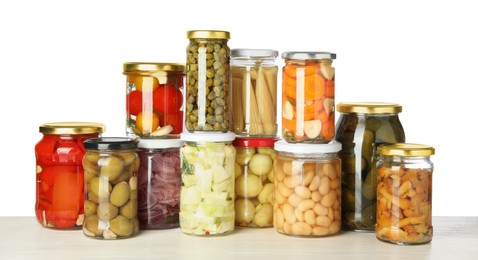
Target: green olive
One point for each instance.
(111, 167)
(121, 226)
(130, 209)
(91, 224)
(90, 208)
(120, 194)
(90, 161)
(128, 157)
(89, 175)
(107, 211)
(100, 187)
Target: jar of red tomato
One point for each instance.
(308, 110)
(59, 178)
(154, 101)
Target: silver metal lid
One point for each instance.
(308, 55)
(254, 53)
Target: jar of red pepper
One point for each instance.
(59, 178)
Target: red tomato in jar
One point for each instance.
(134, 102)
(173, 119)
(167, 99)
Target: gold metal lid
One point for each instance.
(72, 128)
(369, 108)
(206, 34)
(404, 149)
(151, 67)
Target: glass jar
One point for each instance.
(154, 99)
(361, 128)
(207, 81)
(404, 197)
(307, 189)
(111, 188)
(207, 187)
(254, 92)
(254, 173)
(59, 178)
(159, 183)
(308, 93)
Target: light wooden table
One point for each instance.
(24, 238)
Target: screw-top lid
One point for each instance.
(369, 108)
(283, 146)
(254, 142)
(151, 67)
(404, 149)
(208, 34)
(253, 53)
(208, 137)
(59, 128)
(160, 143)
(111, 143)
(308, 55)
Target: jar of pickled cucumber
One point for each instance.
(159, 183)
(154, 99)
(404, 197)
(59, 178)
(307, 194)
(254, 92)
(254, 174)
(308, 94)
(207, 187)
(207, 82)
(361, 128)
(111, 197)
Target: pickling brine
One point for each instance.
(207, 188)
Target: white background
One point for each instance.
(62, 61)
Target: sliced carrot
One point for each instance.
(289, 124)
(322, 116)
(330, 88)
(291, 70)
(289, 86)
(316, 106)
(328, 129)
(314, 87)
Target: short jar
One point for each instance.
(404, 193)
(59, 173)
(111, 188)
(207, 187)
(307, 194)
(159, 183)
(254, 174)
(254, 92)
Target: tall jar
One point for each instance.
(159, 183)
(207, 82)
(59, 173)
(404, 197)
(111, 188)
(307, 194)
(207, 188)
(254, 174)
(154, 99)
(361, 128)
(254, 92)
(308, 94)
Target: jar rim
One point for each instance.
(111, 143)
(309, 55)
(208, 137)
(369, 107)
(254, 142)
(406, 149)
(151, 67)
(160, 143)
(283, 146)
(72, 128)
(208, 34)
(254, 53)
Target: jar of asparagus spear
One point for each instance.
(254, 92)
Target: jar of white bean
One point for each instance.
(307, 190)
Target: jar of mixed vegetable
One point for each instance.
(59, 178)
(404, 197)
(307, 194)
(254, 181)
(154, 99)
(111, 197)
(159, 183)
(254, 92)
(207, 188)
(207, 81)
(308, 93)
(361, 128)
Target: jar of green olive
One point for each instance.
(361, 128)
(111, 193)
(207, 81)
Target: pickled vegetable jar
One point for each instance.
(154, 99)
(254, 92)
(159, 183)
(361, 128)
(404, 198)
(307, 189)
(207, 81)
(111, 197)
(254, 174)
(59, 178)
(308, 93)
(207, 188)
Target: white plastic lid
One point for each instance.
(283, 146)
(236, 53)
(160, 143)
(208, 137)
